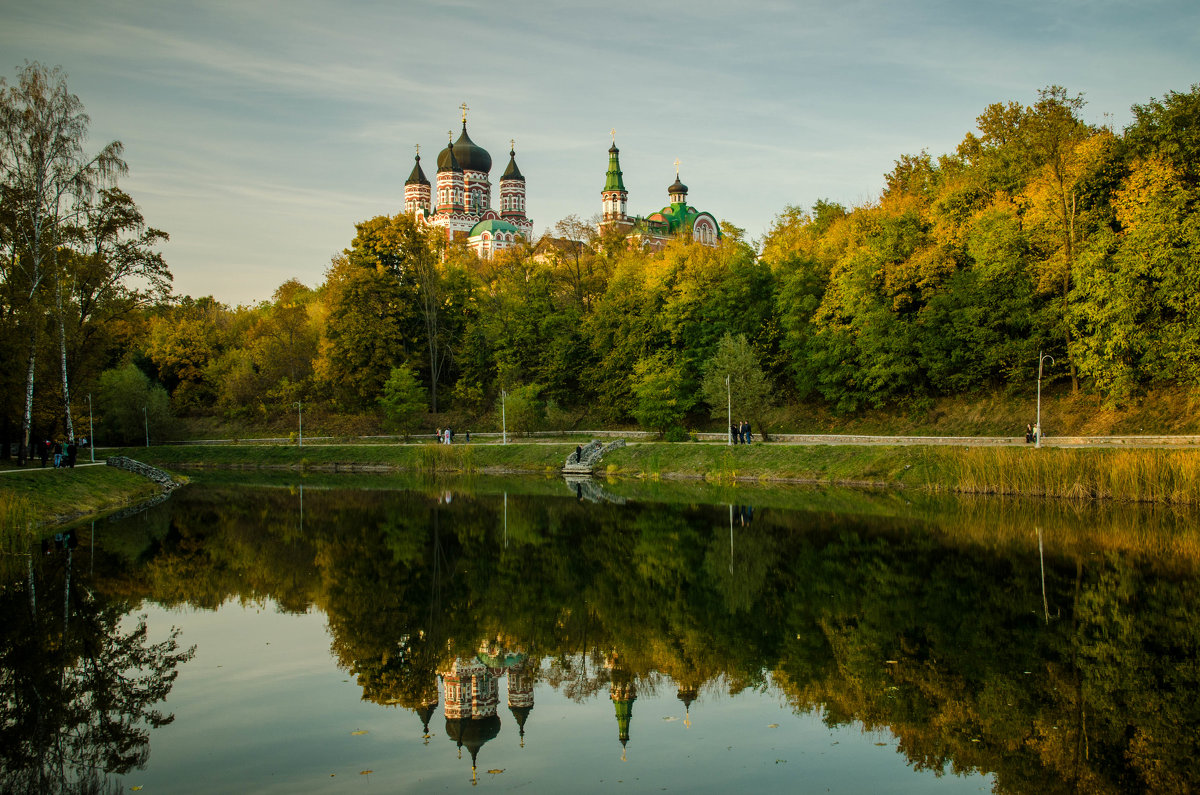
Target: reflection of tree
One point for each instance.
(78, 694)
(887, 623)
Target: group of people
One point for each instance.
(446, 436)
(62, 453)
(1031, 433)
(739, 432)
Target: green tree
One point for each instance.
(735, 364)
(523, 412)
(128, 403)
(661, 391)
(403, 400)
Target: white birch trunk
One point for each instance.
(62, 350)
(26, 451)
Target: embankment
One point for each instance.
(40, 497)
(1154, 475)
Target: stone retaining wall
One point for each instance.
(145, 470)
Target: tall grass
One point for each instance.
(447, 458)
(1136, 475)
(17, 522)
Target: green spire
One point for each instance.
(612, 179)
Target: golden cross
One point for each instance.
(464, 110)
(450, 135)
(677, 166)
(512, 144)
(613, 133)
(418, 150)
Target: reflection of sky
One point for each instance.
(259, 132)
(263, 708)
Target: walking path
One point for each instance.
(34, 466)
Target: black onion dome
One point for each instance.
(417, 177)
(512, 172)
(677, 187)
(447, 161)
(470, 156)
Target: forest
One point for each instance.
(1040, 234)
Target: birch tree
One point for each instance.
(47, 180)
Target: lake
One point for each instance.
(288, 633)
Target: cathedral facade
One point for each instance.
(461, 201)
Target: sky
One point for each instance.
(259, 133)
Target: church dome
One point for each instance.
(470, 157)
(512, 172)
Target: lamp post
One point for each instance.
(503, 419)
(91, 434)
(146, 420)
(729, 416)
(300, 421)
(1042, 357)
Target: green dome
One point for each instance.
(493, 227)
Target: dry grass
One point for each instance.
(1135, 475)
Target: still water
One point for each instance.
(358, 634)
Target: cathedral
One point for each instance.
(463, 206)
(464, 197)
(677, 219)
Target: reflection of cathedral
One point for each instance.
(463, 206)
(623, 692)
(472, 696)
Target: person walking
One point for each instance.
(72, 453)
(439, 435)
(44, 452)
(746, 432)
(578, 454)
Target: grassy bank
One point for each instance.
(1129, 475)
(43, 497)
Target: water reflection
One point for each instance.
(1053, 651)
(79, 689)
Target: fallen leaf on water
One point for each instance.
(496, 770)
(772, 725)
(135, 789)
(669, 718)
(881, 743)
(365, 772)
(356, 733)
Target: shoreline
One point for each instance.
(1149, 475)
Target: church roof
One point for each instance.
(470, 156)
(512, 172)
(493, 226)
(677, 187)
(612, 177)
(681, 217)
(447, 160)
(417, 177)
